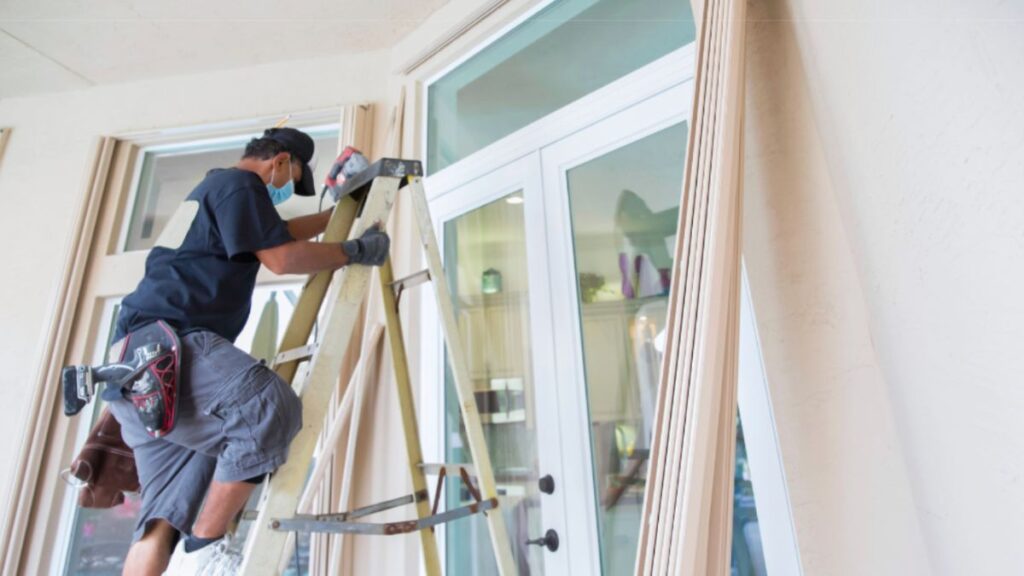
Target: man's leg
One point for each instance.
(224, 501)
(149, 555)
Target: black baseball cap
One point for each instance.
(300, 146)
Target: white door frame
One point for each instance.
(514, 162)
(652, 115)
(641, 103)
(522, 174)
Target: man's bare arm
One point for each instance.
(306, 227)
(303, 257)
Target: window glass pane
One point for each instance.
(485, 258)
(624, 207)
(100, 539)
(747, 553)
(169, 173)
(560, 54)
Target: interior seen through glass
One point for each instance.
(625, 209)
(485, 259)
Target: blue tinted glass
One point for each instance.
(560, 54)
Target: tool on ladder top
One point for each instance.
(365, 199)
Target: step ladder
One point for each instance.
(366, 200)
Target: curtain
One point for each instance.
(687, 520)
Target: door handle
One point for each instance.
(549, 541)
(546, 484)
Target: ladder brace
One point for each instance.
(329, 525)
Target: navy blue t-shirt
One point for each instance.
(202, 271)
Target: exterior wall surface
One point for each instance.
(885, 249)
(845, 469)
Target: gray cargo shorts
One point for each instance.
(236, 419)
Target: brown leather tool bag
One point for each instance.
(105, 466)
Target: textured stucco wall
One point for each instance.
(884, 236)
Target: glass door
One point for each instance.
(614, 190)
(492, 244)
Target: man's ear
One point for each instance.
(282, 159)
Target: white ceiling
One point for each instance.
(53, 45)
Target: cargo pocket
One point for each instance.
(233, 406)
(258, 421)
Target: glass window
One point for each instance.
(747, 551)
(624, 208)
(558, 55)
(485, 258)
(100, 538)
(170, 172)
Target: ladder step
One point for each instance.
(300, 353)
(414, 279)
(302, 523)
(450, 468)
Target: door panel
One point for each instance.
(613, 189)
(491, 249)
(624, 206)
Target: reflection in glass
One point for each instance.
(168, 174)
(565, 51)
(624, 208)
(625, 211)
(485, 259)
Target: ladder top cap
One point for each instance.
(359, 184)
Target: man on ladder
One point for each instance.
(231, 419)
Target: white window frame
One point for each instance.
(221, 133)
(771, 493)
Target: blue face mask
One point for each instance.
(278, 195)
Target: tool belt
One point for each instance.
(149, 380)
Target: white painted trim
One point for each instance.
(232, 127)
(412, 62)
(491, 39)
(768, 476)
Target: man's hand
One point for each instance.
(370, 249)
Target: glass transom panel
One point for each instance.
(565, 51)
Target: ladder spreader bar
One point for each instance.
(305, 524)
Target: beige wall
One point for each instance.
(41, 182)
(884, 241)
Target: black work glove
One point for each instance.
(370, 249)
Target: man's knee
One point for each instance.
(150, 553)
(160, 532)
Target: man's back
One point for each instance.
(204, 277)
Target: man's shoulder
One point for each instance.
(222, 182)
